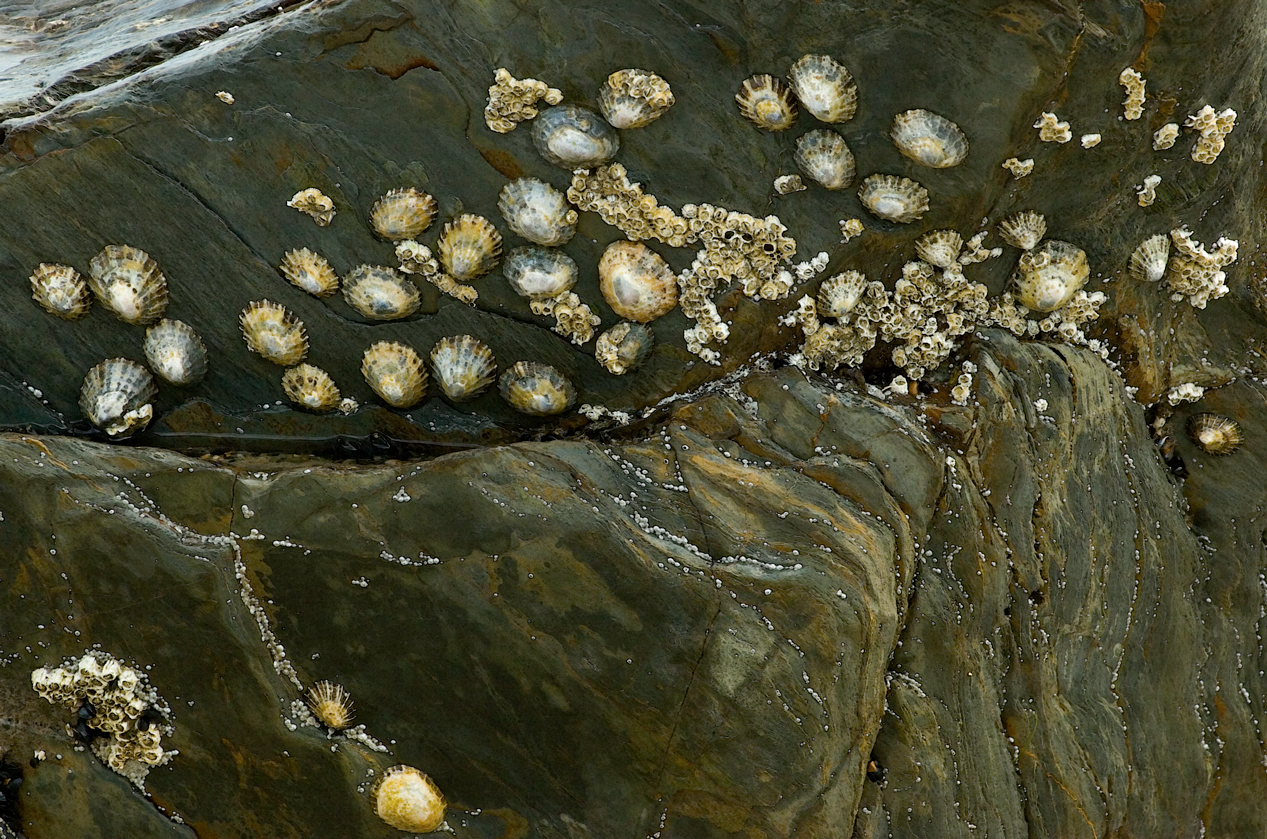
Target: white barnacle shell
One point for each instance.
(469, 246)
(539, 273)
(175, 352)
(129, 284)
(633, 98)
(536, 389)
(1023, 230)
(767, 101)
(273, 332)
(1019, 168)
(939, 247)
(1090, 141)
(394, 371)
(312, 388)
(408, 800)
(60, 291)
(1052, 130)
(402, 214)
(825, 158)
(537, 211)
(1164, 137)
(1147, 192)
(624, 347)
(929, 139)
(636, 281)
(380, 293)
(116, 396)
(574, 137)
(894, 198)
(463, 366)
(312, 202)
(824, 87)
(838, 295)
(1148, 262)
(1134, 84)
(310, 272)
(1049, 276)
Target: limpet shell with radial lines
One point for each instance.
(1023, 230)
(309, 272)
(767, 101)
(312, 388)
(537, 211)
(380, 293)
(394, 371)
(893, 198)
(825, 158)
(636, 281)
(824, 87)
(128, 283)
(574, 137)
(115, 396)
(1215, 434)
(402, 214)
(929, 139)
(469, 247)
(408, 800)
(633, 98)
(536, 389)
(1149, 260)
(330, 704)
(60, 291)
(175, 352)
(1049, 276)
(624, 347)
(463, 366)
(838, 295)
(539, 273)
(939, 248)
(272, 331)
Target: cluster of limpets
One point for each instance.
(116, 394)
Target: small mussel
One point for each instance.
(894, 198)
(823, 156)
(838, 295)
(539, 273)
(60, 291)
(463, 366)
(380, 293)
(1049, 276)
(636, 281)
(624, 347)
(929, 139)
(536, 389)
(311, 388)
(128, 283)
(1215, 434)
(408, 800)
(767, 102)
(116, 396)
(574, 137)
(272, 331)
(175, 352)
(330, 704)
(394, 371)
(469, 247)
(310, 272)
(402, 214)
(824, 87)
(537, 211)
(633, 98)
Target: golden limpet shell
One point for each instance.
(824, 87)
(633, 98)
(929, 139)
(1215, 434)
(408, 800)
(309, 272)
(129, 284)
(893, 198)
(272, 331)
(536, 389)
(380, 293)
(1149, 260)
(463, 366)
(394, 371)
(60, 291)
(402, 214)
(175, 352)
(537, 211)
(539, 273)
(624, 347)
(1049, 276)
(115, 396)
(469, 247)
(636, 281)
(767, 101)
(330, 703)
(939, 248)
(312, 388)
(1023, 230)
(838, 295)
(825, 158)
(574, 137)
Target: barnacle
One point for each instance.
(1164, 137)
(624, 347)
(1212, 128)
(511, 100)
(313, 203)
(1090, 141)
(1196, 273)
(1148, 192)
(1019, 168)
(1052, 130)
(633, 98)
(1134, 84)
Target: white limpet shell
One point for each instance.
(838, 295)
(175, 352)
(1023, 230)
(537, 211)
(310, 272)
(894, 198)
(469, 247)
(312, 388)
(1148, 262)
(463, 366)
(824, 87)
(394, 371)
(539, 273)
(633, 98)
(1049, 276)
(129, 283)
(825, 158)
(330, 704)
(940, 248)
(574, 137)
(408, 800)
(536, 389)
(402, 214)
(60, 291)
(116, 396)
(272, 331)
(767, 102)
(312, 202)
(929, 139)
(636, 281)
(380, 293)
(1164, 137)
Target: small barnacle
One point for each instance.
(537, 211)
(313, 203)
(849, 228)
(469, 247)
(767, 101)
(115, 396)
(394, 371)
(309, 271)
(624, 347)
(1090, 141)
(636, 281)
(838, 295)
(463, 366)
(536, 389)
(1213, 128)
(1148, 262)
(1023, 230)
(380, 293)
(574, 137)
(402, 214)
(408, 800)
(939, 247)
(1215, 434)
(225, 96)
(825, 158)
(511, 100)
(329, 702)
(273, 332)
(538, 273)
(1049, 276)
(128, 283)
(787, 184)
(1148, 192)
(175, 352)
(1134, 84)
(633, 98)
(824, 87)
(894, 198)
(1052, 130)
(929, 139)
(1164, 137)
(312, 388)
(1019, 168)
(60, 291)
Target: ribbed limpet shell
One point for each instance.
(939, 248)
(1215, 434)
(633, 98)
(624, 347)
(536, 389)
(394, 371)
(893, 198)
(929, 139)
(1023, 230)
(310, 272)
(539, 273)
(1049, 276)
(380, 293)
(331, 704)
(537, 211)
(128, 283)
(825, 158)
(408, 800)
(767, 102)
(838, 295)
(636, 281)
(574, 137)
(1150, 259)
(60, 291)
(824, 87)
(272, 331)
(115, 396)
(463, 366)
(175, 352)
(312, 388)
(469, 247)
(402, 214)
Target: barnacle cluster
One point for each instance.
(632, 98)
(624, 347)
(849, 228)
(312, 202)
(1196, 273)
(1212, 127)
(511, 100)
(787, 184)
(416, 258)
(1185, 392)
(122, 713)
(1164, 137)
(1066, 322)
(1147, 193)
(1134, 84)
(1052, 130)
(1019, 168)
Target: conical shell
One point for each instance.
(60, 291)
(394, 371)
(402, 214)
(312, 388)
(539, 273)
(1023, 230)
(537, 211)
(463, 366)
(273, 332)
(839, 294)
(536, 389)
(469, 247)
(624, 347)
(929, 139)
(115, 396)
(175, 352)
(1215, 434)
(408, 800)
(1149, 260)
(939, 248)
(380, 293)
(767, 101)
(574, 137)
(825, 158)
(128, 283)
(824, 87)
(330, 703)
(893, 198)
(309, 272)
(636, 281)
(1049, 276)
(633, 98)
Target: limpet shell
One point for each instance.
(824, 87)
(175, 352)
(767, 101)
(272, 331)
(929, 139)
(402, 214)
(1049, 276)
(115, 396)
(463, 366)
(380, 293)
(469, 247)
(636, 281)
(394, 371)
(330, 704)
(893, 198)
(1215, 434)
(939, 248)
(1023, 230)
(408, 800)
(624, 347)
(536, 389)
(633, 98)
(838, 295)
(129, 284)
(537, 211)
(825, 158)
(312, 388)
(538, 273)
(309, 272)
(60, 291)
(574, 137)
(1149, 260)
